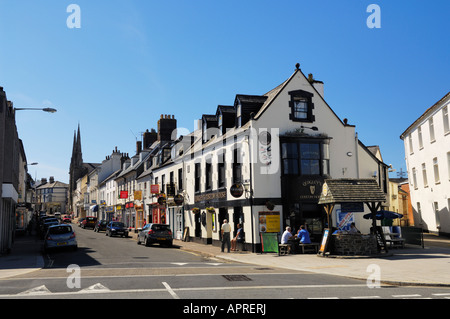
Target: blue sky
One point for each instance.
(132, 61)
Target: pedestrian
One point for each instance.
(225, 230)
(237, 239)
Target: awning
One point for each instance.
(94, 208)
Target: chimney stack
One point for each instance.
(150, 138)
(52, 179)
(167, 124)
(138, 147)
(318, 85)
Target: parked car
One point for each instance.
(67, 220)
(89, 221)
(57, 215)
(100, 225)
(155, 233)
(60, 236)
(46, 225)
(80, 221)
(116, 228)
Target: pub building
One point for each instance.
(262, 161)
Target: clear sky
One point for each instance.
(131, 61)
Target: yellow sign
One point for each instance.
(138, 195)
(269, 222)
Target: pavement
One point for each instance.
(412, 265)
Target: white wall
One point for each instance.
(433, 192)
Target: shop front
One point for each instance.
(130, 215)
(300, 203)
(109, 213)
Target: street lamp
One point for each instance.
(47, 109)
(314, 128)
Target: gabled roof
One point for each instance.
(225, 109)
(351, 191)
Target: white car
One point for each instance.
(59, 236)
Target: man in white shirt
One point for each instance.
(286, 235)
(226, 230)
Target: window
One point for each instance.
(237, 166)
(180, 179)
(448, 165)
(445, 117)
(208, 171)
(411, 150)
(419, 131)
(310, 159)
(301, 106)
(437, 215)
(221, 170)
(431, 124)
(436, 170)
(419, 212)
(414, 174)
(239, 115)
(302, 159)
(424, 174)
(290, 158)
(197, 177)
(220, 123)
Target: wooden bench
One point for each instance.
(395, 242)
(284, 249)
(309, 247)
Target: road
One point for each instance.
(118, 268)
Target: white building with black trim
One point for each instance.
(264, 159)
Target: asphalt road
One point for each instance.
(118, 268)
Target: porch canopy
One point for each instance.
(338, 191)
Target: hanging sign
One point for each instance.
(178, 199)
(237, 190)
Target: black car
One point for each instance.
(100, 225)
(116, 228)
(155, 233)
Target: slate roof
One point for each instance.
(351, 191)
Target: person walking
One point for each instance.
(226, 229)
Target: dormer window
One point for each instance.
(301, 106)
(239, 115)
(220, 123)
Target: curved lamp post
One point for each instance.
(47, 109)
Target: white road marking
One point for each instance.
(35, 291)
(170, 290)
(97, 288)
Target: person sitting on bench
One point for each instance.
(303, 235)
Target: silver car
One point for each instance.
(155, 233)
(59, 236)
